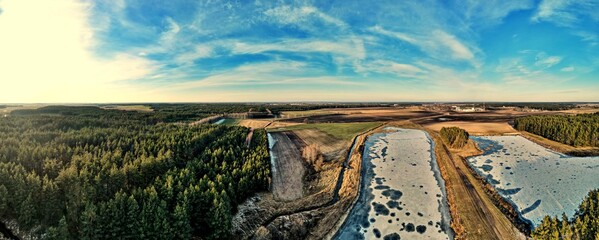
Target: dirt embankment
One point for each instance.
(473, 210)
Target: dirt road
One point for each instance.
(287, 168)
(474, 213)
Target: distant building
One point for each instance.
(467, 109)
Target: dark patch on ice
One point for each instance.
(532, 207)
(491, 180)
(378, 180)
(407, 213)
(510, 191)
(364, 223)
(392, 193)
(372, 220)
(390, 221)
(420, 214)
(488, 161)
(381, 209)
(421, 229)
(392, 236)
(376, 232)
(486, 167)
(508, 168)
(381, 187)
(384, 151)
(392, 204)
(392, 214)
(410, 227)
(430, 223)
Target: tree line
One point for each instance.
(455, 137)
(107, 175)
(575, 130)
(584, 224)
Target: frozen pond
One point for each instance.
(402, 193)
(536, 180)
(220, 121)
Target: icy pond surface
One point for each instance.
(402, 193)
(536, 180)
(220, 121)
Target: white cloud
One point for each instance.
(271, 73)
(566, 12)
(398, 69)
(491, 12)
(352, 47)
(168, 37)
(298, 15)
(568, 69)
(437, 44)
(542, 60)
(46, 56)
(458, 50)
(200, 51)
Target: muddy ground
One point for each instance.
(287, 169)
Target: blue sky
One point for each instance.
(346, 50)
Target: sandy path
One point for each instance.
(479, 216)
(287, 168)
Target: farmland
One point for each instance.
(327, 167)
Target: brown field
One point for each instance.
(580, 110)
(363, 115)
(330, 146)
(264, 123)
(253, 123)
(9, 108)
(279, 124)
(288, 172)
(475, 128)
(137, 108)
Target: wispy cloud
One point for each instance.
(438, 44)
(544, 61)
(566, 12)
(347, 47)
(492, 12)
(300, 15)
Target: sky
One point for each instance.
(103, 51)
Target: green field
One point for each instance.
(343, 131)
